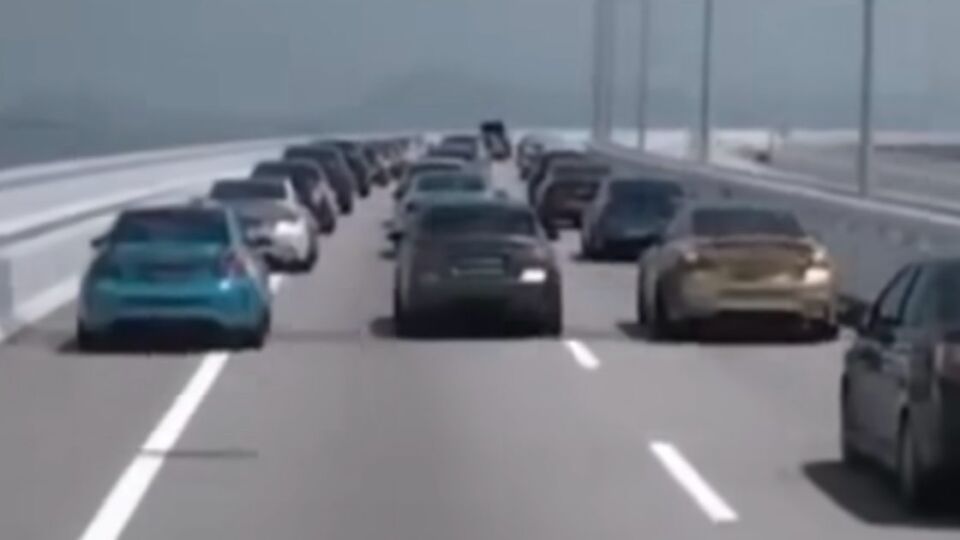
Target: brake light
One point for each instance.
(231, 265)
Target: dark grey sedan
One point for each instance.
(900, 389)
(477, 258)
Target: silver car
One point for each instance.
(269, 210)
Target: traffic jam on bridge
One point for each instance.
(480, 234)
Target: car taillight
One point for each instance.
(231, 265)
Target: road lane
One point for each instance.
(70, 423)
(338, 430)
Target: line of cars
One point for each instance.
(464, 246)
(698, 261)
(899, 394)
(202, 267)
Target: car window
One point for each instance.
(922, 303)
(435, 183)
(945, 292)
(180, 226)
(229, 191)
(720, 222)
(889, 307)
(460, 220)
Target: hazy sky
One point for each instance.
(285, 57)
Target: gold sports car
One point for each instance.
(725, 260)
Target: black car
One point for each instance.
(567, 191)
(496, 139)
(544, 165)
(426, 166)
(627, 216)
(357, 162)
(311, 185)
(338, 174)
(543, 160)
(476, 257)
(528, 151)
(900, 389)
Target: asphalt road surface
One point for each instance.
(339, 431)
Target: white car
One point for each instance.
(284, 231)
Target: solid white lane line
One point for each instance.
(116, 510)
(583, 355)
(690, 480)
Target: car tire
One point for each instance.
(851, 456)
(329, 224)
(88, 340)
(310, 261)
(912, 481)
(826, 331)
(551, 322)
(404, 325)
(641, 302)
(661, 329)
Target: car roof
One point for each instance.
(743, 206)
(430, 161)
(208, 206)
(475, 201)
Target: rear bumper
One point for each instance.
(288, 249)
(624, 245)
(699, 297)
(484, 297)
(570, 214)
(228, 305)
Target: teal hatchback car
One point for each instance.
(189, 269)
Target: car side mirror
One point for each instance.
(98, 242)
(854, 314)
(258, 240)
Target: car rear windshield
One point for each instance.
(745, 222)
(643, 189)
(581, 170)
(470, 220)
(180, 226)
(231, 191)
(434, 183)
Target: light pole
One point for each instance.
(865, 153)
(643, 92)
(603, 46)
(706, 83)
(597, 72)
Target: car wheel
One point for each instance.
(403, 323)
(310, 261)
(330, 224)
(826, 331)
(586, 251)
(852, 456)
(551, 322)
(912, 480)
(661, 329)
(642, 318)
(89, 341)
